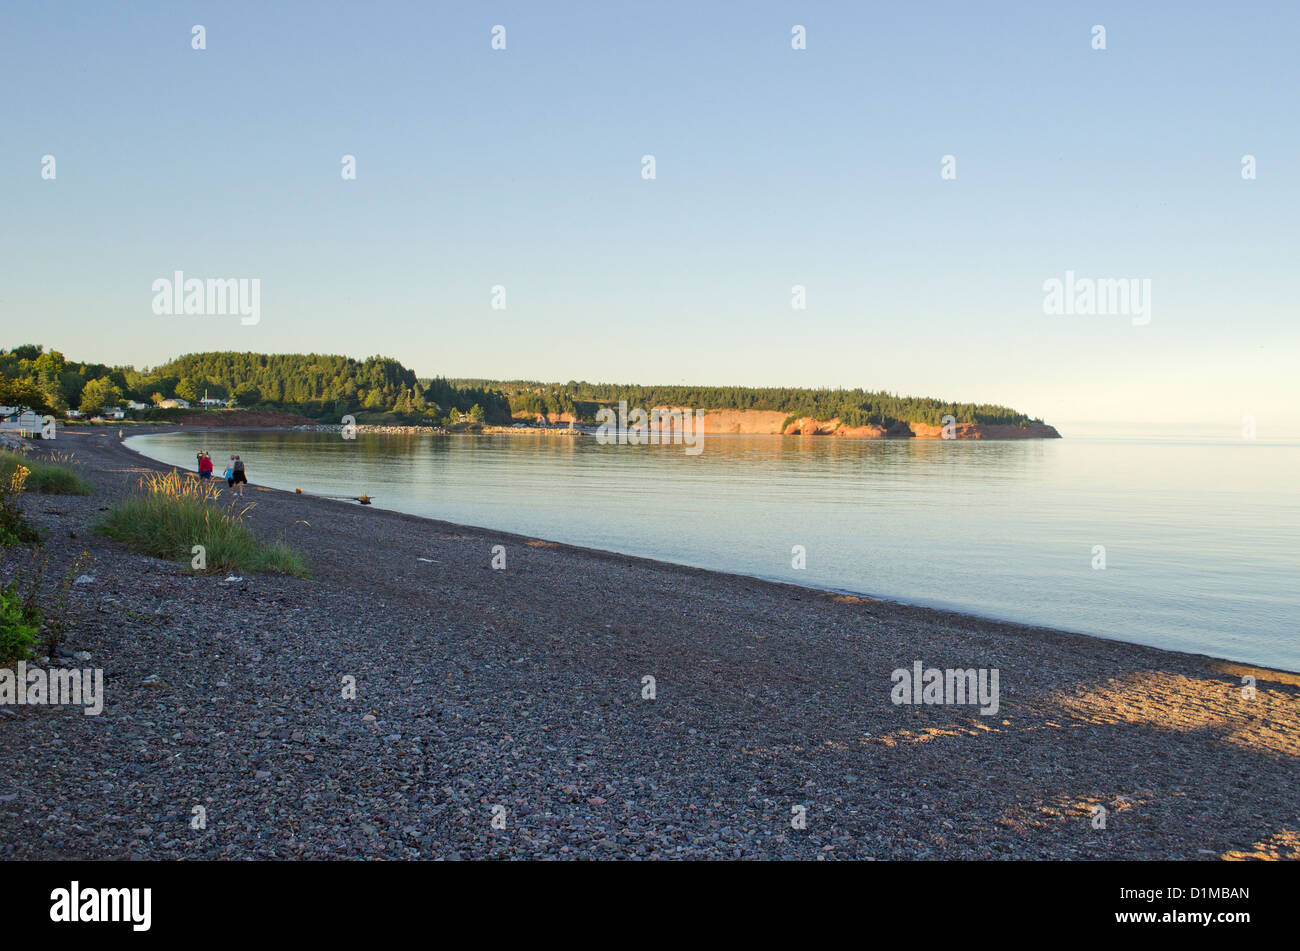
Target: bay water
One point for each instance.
(1200, 538)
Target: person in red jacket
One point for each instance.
(205, 466)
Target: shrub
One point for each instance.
(171, 514)
(14, 529)
(43, 477)
(17, 631)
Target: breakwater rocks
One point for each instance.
(383, 430)
(543, 430)
(808, 426)
(713, 426)
(473, 428)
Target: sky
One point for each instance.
(773, 167)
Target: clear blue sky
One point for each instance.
(775, 167)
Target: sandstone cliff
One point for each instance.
(806, 426)
(772, 423)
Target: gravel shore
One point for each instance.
(517, 694)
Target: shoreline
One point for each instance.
(844, 592)
(801, 429)
(713, 423)
(523, 688)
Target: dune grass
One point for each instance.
(44, 477)
(171, 514)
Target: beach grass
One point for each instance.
(171, 514)
(44, 477)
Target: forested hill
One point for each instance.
(317, 383)
(322, 386)
(328, 386)
(852, 407)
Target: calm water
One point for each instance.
(1202, 539)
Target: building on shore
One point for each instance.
(19, 419)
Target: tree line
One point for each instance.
(856, 407)
(328, 386)
(320, 386)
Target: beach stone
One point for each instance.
(533, 706)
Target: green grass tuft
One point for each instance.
(173, 514)
(45, 477)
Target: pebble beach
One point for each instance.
(506, 713)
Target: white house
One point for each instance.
(74, 414)
(16, 419)
(113, 412)
(209, 403)
(132, 404)
(177, 403)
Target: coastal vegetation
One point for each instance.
(854, 407)
(20, 618)
(14, 529)
(45, 614)
(171, 515)
(17, 631)
(381, 390)
(318, 386)
(46, 478)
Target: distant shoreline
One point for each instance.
(802, 428)
(825, 590)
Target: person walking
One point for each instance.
(229, 474)
(240, 479)
(205, 466)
